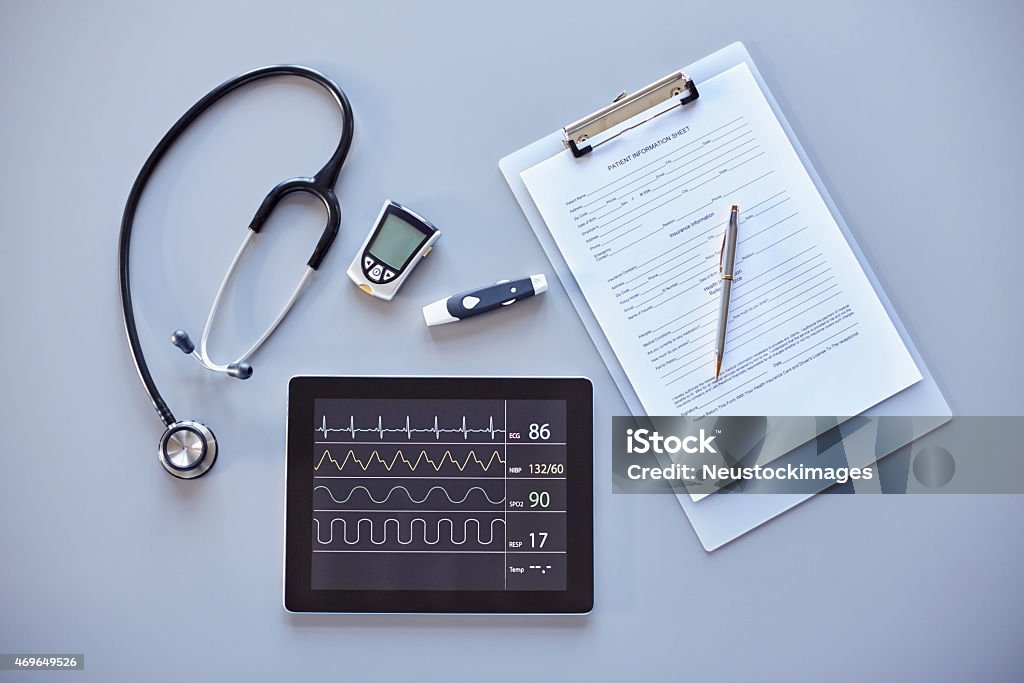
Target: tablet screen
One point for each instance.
(439, 494)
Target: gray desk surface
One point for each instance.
(911, 111)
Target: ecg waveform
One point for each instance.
(409, 495)
(364, 464)
(408, 429)
(387, 523)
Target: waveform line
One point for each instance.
(408, 428)
(411, 465)
(398, 531)
(407, 493)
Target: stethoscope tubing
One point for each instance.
(201, 354)
(320, 185)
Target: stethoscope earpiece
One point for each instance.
(187, 449)
(238, 369)
(181, 339)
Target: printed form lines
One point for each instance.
(606, 196)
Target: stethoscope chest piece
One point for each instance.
(187, 449)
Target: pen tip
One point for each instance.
(735, 207)
(718, 369)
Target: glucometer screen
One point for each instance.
(395, 242)
(439, 494)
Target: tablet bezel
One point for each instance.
(577, 392)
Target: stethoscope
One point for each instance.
(188, 448)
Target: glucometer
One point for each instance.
(399, 240)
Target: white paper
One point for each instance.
(640, 221)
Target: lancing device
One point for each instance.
(487, 298)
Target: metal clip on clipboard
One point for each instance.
(577, 136)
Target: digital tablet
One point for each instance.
(439, 494)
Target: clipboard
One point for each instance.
(716, 519)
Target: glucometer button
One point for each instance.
(388, 275)
(367, 262)
(376, 272)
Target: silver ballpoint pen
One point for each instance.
(726, 265)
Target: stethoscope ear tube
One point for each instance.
(330, 231)
(318, 189)
(238, 369)
(185, 436)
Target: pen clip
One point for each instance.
(721, 252)
(734, 219)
